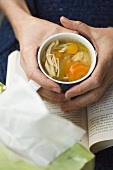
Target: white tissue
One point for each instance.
(28, 129)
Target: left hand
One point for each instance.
(92, 89)
(52, 97)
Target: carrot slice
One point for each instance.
(72, 49)
(58, 54)
(75, 71)
(68, 67)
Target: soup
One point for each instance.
(66, 61)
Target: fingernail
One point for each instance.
(69, 95)
(65, 17)
(66, 99)
(57, 90)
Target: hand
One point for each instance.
(92, 89)
(52, 97)
(31, 36)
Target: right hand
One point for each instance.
(92, 89)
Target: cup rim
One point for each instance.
(80, 37)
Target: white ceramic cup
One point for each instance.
(75, 37)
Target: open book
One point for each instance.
(97, 119)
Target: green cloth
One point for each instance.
(2, 87)
(75, 158)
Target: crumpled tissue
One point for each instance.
(28, 129)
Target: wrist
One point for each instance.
(16, 12)
(20, 23)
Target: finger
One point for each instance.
(82, 28)
(51, 101)
(87, 98)
(29, 64)
(52, 95)
(78, 103)
(94, 81)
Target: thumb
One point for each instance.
(82, 28)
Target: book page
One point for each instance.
(100, 122)
(78, 117)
